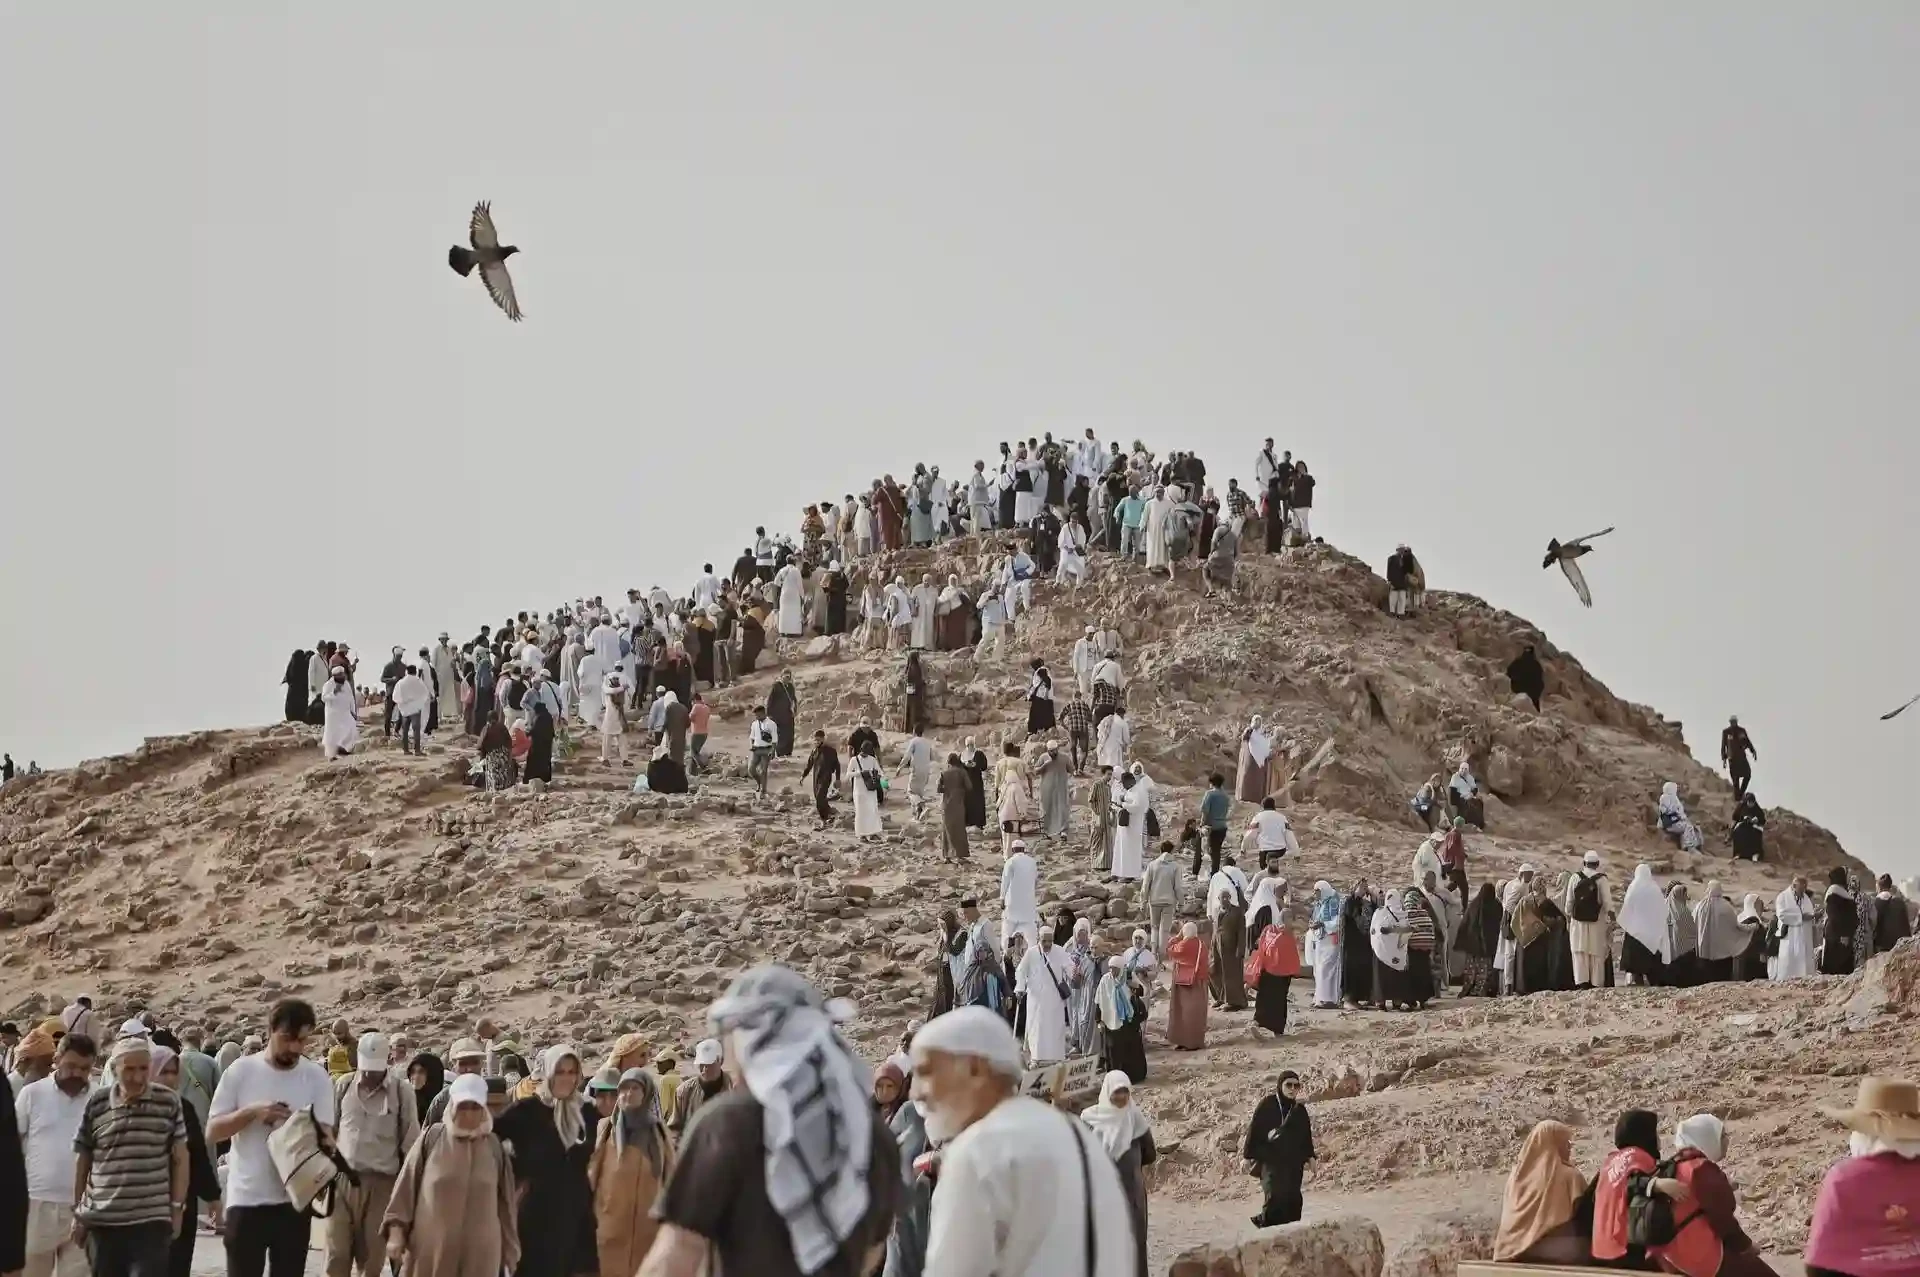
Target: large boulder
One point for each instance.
(1442, 1244)
(1349, 1247)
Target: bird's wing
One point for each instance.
(480, 227)
(500, 288)
(1590, 536)
(1572, 568)
(1889, 714)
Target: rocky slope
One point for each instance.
(205, 875)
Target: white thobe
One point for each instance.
(410, 696)
(605, 642)
(1042, 975)
(590, 676)
(316, 674)
(1108, 671)
(1158, 511)
(532, 657)
(1011, 1201)
(1073, 554)
(1794, 913)
(924, 597)
(1085, 657)
(1020, 897)
(706, 591)
(1115, 735)
(866, 802)
(792, 601)
(1130, 843)
(1108, 641)
(443, 669)
(569, 674)
(342, 729)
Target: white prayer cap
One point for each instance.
(139, 1045)
(468, 1088)
(972, 1031)
(1591, 858)
(373, 1052)
(1089, 629)
(708, 1052)
(1526, 869)
(135, 1028)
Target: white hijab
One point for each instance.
(1643, 913)
(1266, 896)
(1259, 742)
(1390, 947)
(1670, 800)
(1117, 1127)
(1750, 909)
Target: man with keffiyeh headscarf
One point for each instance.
(790, 1174)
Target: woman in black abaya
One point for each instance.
(1278, 1146)
(782, 701)
(975, 761)
(296, 681)
(1356, 946)
(539, 764)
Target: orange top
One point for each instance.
(1189, 959)
(1279, 955)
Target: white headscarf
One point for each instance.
(1670, 803)
(1750, 908)
(1259, 742)
(568, 1117)
(1117, 1127)
(1643, 913)
(1266, 896)
(1703, 1132)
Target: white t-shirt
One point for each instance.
(49, 1119)
(252, 1079)
(1270, 831)
(1011, 1203)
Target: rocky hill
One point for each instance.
(206, 875)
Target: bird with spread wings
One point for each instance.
(1566, 555)
(490, 256)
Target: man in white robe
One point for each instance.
(1130, 839)
(1019, 583)
(993, 625)
(316, 674)
(1107, 640)
(924, 599)
(1795, 914)
(1045, 976)
(449, 681)
(792, 601)
(1073, 567)
(916, 760)
(589, 678)
(1590, 940)
(342, 723)
(1086, 655)
(706, 591)
(899, 615)
(1019, 895)
(605, 642)
(1115, 737)
(980, 499)
(570, 655)
(1159, 510)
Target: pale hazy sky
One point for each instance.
(1497, 271)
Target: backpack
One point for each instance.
(309, 1170)
(1586, 898)
(1649, 1215)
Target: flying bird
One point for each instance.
(1891, 713)
(490, 256)
(1565, 556)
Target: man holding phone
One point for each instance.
(256, 1094)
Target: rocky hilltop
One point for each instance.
(205, 875)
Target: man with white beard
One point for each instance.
(1024, 1190)
(341, 705)
(1043, 976)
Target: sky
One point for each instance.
(1497, 271)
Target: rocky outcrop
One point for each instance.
(1442, 1244)
(1348, 1247)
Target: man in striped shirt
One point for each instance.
(130, 1172)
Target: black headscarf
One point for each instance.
(1638, 1128)
(436, 1080)
(1063, 925)
(1480, 929)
